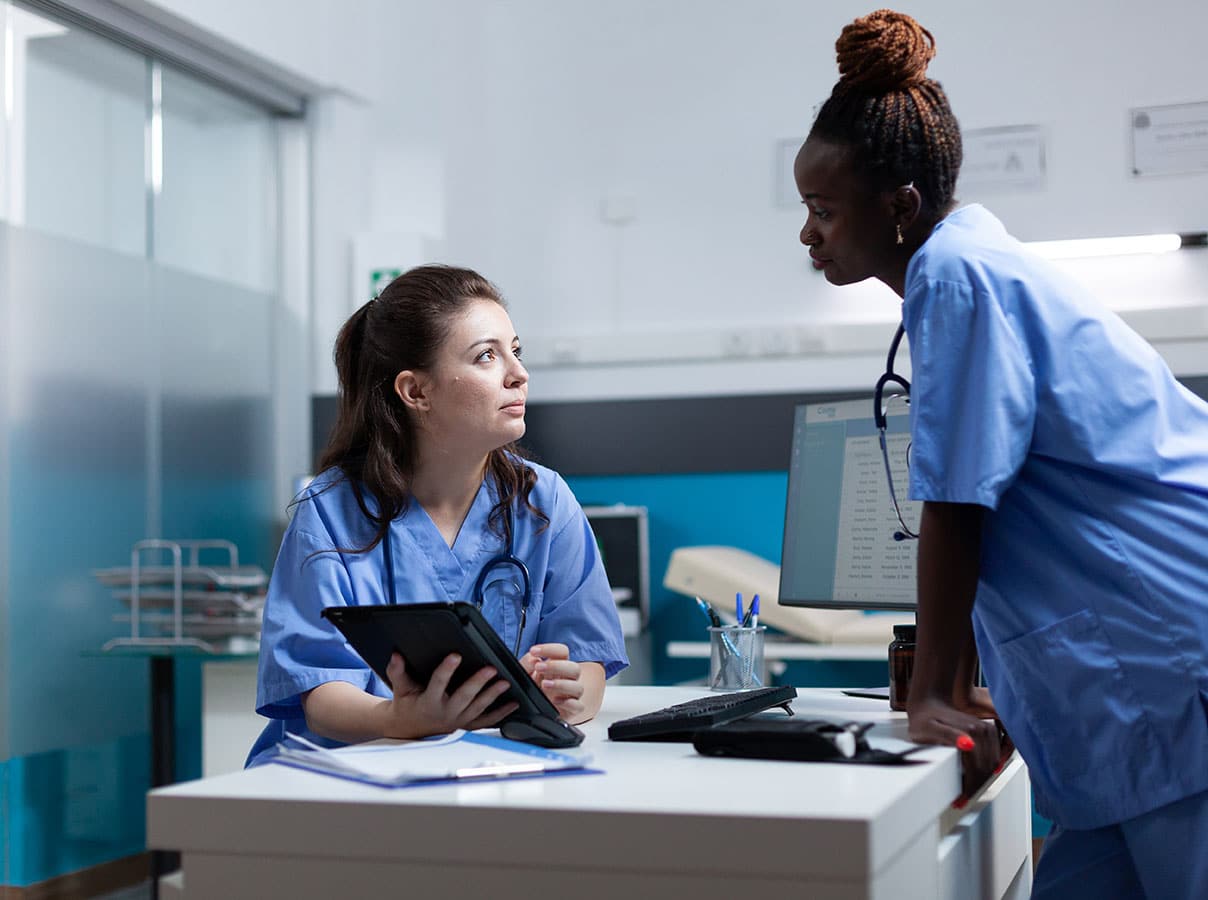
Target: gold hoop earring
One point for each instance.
(899, 232)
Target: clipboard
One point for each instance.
(457, 757)
(425, 633)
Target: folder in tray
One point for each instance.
(460, 756)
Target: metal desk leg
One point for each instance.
(163, 751)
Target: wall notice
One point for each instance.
(1170, 140)
(1003, 158)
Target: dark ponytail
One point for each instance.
(372, 443)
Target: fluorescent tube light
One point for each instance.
(155, 132)
(1081, 248)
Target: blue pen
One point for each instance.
(751, 620)
(738, 608)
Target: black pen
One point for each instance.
(710, 612)
(746, 620)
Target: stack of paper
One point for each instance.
(460, 756)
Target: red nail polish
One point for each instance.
(964, 742)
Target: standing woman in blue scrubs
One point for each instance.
(1064, 474)
(421, 480)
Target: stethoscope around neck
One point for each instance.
(506, 559)
(879, 415)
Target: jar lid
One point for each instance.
(905, 632)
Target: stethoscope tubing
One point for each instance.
(508, 558)
(881, 420)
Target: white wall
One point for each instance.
(613, 166)
(678, 109)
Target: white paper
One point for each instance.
(457, 756)
(1010, 157)
(1170, 140)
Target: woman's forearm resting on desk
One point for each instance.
(948, 565)
(343, 712)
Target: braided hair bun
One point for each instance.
(895, 120)
(883, 51)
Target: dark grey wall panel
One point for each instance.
(1197, 384)
(628, 437)
(322, 418)
(697, 434)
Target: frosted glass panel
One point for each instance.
(216, 213)
(138, 261)
(79, 118)
(79, 364)
(5, 661)
(216, 412)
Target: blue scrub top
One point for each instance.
(1091, 615)
(571, 600)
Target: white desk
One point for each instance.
(661, 822)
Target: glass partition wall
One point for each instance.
(138, 286)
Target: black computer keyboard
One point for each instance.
(681, 721)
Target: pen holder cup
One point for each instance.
(736, 659)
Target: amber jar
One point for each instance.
(901, 665)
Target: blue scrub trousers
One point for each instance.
(1162, 855)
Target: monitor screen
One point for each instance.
(843, 545)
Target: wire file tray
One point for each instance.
(183, 603)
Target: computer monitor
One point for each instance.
(843, 544)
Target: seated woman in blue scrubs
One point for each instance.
(1065, 477)
(418, 488)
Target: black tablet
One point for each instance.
(425, 633)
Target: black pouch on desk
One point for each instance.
(808, 740)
